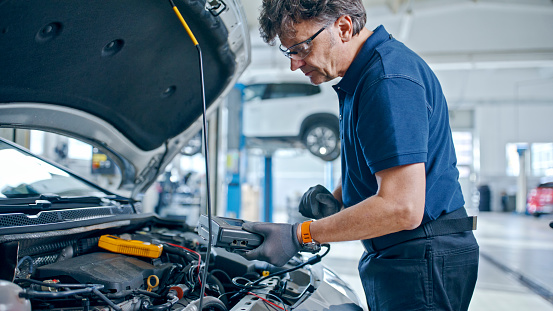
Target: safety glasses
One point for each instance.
(300, 50)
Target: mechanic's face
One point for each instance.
(321, 62)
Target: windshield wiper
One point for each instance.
(52, 198)
(46, 202)
(35, 206)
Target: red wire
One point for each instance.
(175, 245)
(197, 254)
(267, 301)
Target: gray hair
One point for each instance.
(278, 17)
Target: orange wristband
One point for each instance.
(305, 232)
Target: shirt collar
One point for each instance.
(353, 74)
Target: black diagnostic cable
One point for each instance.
(206, 156)
(247, 283)
(269, 303)
(255, 284)
(311, 261)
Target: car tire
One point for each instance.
(323, 140)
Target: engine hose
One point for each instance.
(41, 294)
(105, 299)
(171, 300)
(219, 284)
(81, 289)
(169, 278)
(29, 294)
(46, 248)
(179, 252)
(124, 293)
(56, 285)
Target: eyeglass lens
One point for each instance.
(299, 52)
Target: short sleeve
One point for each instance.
(392, 123)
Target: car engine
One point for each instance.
(72, 270)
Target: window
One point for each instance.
(540, 156)
(254, 91)
(513, 157)
(82, 158)
(542, 159)
(283, 90)
(463, 151)
(279, 90)
(79, 150)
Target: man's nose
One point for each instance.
(296, 64)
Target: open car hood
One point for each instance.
(122, 75)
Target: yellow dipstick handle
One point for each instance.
(149, 282)
(183, 22)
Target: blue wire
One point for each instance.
(31, 265)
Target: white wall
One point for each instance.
(497, 125)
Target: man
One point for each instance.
(400, 193)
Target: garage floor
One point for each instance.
(516, 263)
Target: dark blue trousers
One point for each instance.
(434, 273)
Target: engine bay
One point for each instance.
(68, 270)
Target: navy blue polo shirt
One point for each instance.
(393, 112)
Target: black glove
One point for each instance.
(280, 242)
(318, 203)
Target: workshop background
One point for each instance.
(494, 59)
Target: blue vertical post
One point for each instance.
(234, 196)
(268, 189)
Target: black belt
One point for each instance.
(450, 223)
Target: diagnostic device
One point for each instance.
(228, 233)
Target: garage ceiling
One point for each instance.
(484, 52)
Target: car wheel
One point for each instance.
(323, 141)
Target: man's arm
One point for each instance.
(337, 193)
(398, 205)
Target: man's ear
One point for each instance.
(345, 26)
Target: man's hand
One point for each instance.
(318, 203)
(280, 242)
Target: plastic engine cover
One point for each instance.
(116, 272)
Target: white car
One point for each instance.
(284, 105)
